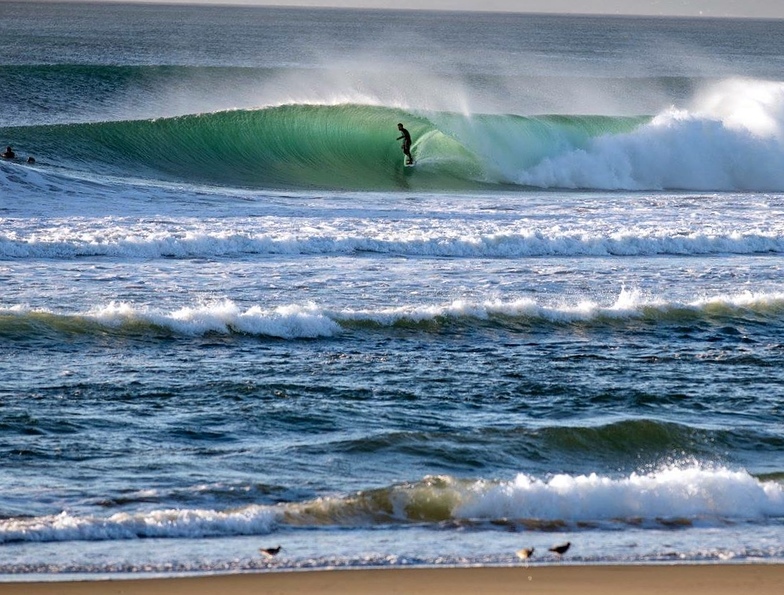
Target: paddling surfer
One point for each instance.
(9, 154)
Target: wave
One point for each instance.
(304, 146)
(156, 523)
(671, 497)
(677, 494)
(731, 139)
(150, 239)
(310, 321)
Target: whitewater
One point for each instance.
(231, 317)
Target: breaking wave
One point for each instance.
(310, 321)
(731, 139)
(671, 497)
(150, 240)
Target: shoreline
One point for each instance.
(724, 578)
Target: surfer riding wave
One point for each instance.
(406, 146)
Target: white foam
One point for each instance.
(308, 321)
(105, 239)
(693, 492)
(253, 520)
(629, 304)
(731, 139)
(225, 317)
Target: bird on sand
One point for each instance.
(270, 551)
(525, 553)
(560, 549)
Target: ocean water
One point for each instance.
(231, 319)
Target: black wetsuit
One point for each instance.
(406, 144)
(9, 154)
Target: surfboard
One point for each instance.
(407, 164)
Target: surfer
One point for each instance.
(406, 144)
(9, 153)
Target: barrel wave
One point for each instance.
(730, 139)
(303, 146)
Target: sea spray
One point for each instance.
(722, 145)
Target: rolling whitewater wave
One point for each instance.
(731, 139)
(311, 321)
(126, 238)
(677, 496)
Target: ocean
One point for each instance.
(232, 319)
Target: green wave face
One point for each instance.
(321, 147)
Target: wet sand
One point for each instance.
(708, 579)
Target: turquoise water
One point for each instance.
(303, 146)
(232, 319)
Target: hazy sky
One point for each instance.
(716, 8)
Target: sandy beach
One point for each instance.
(760, 579)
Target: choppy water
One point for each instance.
(231, 318)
